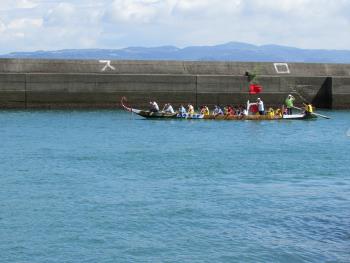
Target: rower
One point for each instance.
(271, 112)
(182, 110)
(204, 110)
(207, 111)
(308, 108)
(218, 110)
(168, 108)
(154, 106)
(190, 109)
(230, 110)
(278, 113)
(244, 111)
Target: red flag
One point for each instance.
(254, 89)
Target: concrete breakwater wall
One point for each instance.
(89, 83)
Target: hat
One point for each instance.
(258, 99)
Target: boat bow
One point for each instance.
(122, 102)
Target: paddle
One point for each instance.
(316, 114)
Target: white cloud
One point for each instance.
(60, 14)
(205, 8)
(133, 11)
(16, 4)
(24, 23)
(59, 24)
(2, 26)
(25, 4)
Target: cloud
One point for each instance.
(59, 24)
(2, 26)
(16, 4)
(60, 14)
(207, 8)
(24, 24)
(25, 4)
(134, 11)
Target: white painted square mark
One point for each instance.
(281, 68)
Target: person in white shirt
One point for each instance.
(182, 110)
(218, 111)
(154, 106)
(168, 108)
(261, 108)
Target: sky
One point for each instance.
(30, 25)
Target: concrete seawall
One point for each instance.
(87, 83)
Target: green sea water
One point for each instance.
(108, 186)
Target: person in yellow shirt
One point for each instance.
(207, 111)
(308, 108)
(278, 113)
(271, 112)
(190, 109)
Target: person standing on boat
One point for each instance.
(260, 105)
(290, 104)
(168, 108)
(154, 106)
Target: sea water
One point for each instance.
(109, 186)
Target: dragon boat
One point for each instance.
(165, 115)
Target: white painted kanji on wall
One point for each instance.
(107, 65)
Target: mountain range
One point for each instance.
(232, 51)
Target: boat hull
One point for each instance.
(163, 115)
(248, 117)
(156, 115)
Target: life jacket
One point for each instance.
(278, 113)
(309, 108)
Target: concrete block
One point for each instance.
(217, 84)
(12, 90)
(341, 93)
